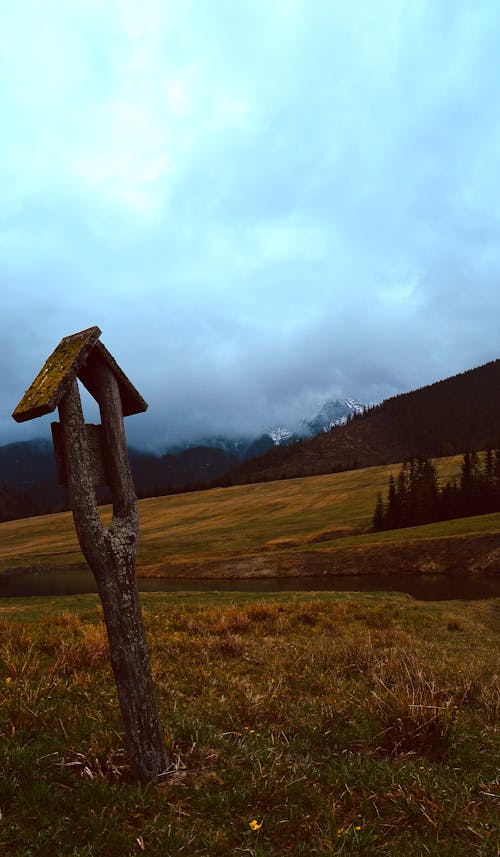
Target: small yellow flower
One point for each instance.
(254, 824)
(8, 679)
(358, 827)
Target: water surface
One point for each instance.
(427, 587)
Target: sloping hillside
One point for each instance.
(445, 418)
(305, 526)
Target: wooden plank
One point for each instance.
(131, 399)
(95, 443)
(56, 375)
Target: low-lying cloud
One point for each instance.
(261, 205)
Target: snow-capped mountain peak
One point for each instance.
(334, 412)
(280, 435)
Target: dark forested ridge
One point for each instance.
(175, 471)
(451, 416)
(16, 505)
(445, 418)
(28, 480)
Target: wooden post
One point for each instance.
(111, 555)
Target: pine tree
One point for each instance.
(466, 480)
(379, 513)
(403, 497)
(391, 518)
(489, 465)
(429, 491)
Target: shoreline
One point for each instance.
(455, 556)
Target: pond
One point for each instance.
(427, 587)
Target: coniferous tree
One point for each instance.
(415, 498)
(379, 513)
(489, 465)
(429, 491)
(403, 497)
(391, 518)
(466, 483)
(496, 465)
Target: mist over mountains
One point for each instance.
(28, 479)
(334, 412)
(445, 418)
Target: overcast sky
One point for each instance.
(262, 203)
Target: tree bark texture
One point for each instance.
(111, 555)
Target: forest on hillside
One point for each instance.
(450, 416)
(445, 418)
(415, 496)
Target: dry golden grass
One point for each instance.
(312, 512)
(299, 725)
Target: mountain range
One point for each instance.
(445, 418)
(334, 412)
(28, 475)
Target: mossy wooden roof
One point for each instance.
(132, 401)
(73, 358)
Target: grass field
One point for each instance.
(296, 725)
(314, 512)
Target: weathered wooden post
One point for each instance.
(88, 456)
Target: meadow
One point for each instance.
(296, 725)
(316, 724)
(311, 513)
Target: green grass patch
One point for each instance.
(477, 524)
(296, 725)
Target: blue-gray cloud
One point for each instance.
(260, 203)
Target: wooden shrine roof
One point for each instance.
(73, 358)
